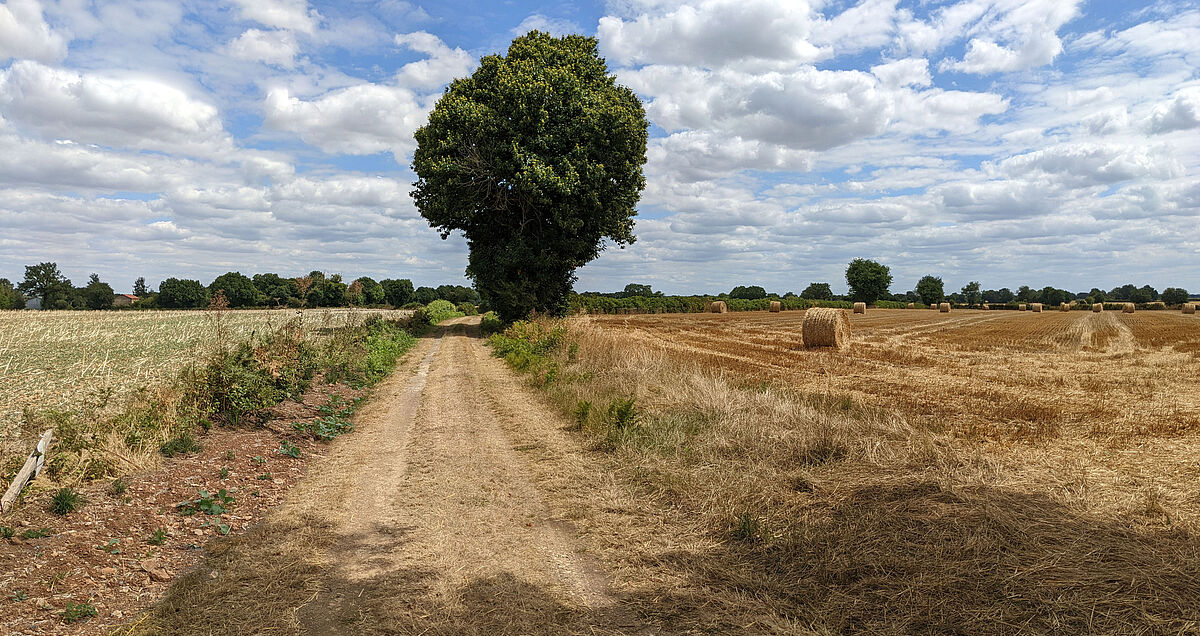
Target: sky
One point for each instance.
(1036, 142)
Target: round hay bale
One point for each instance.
(985, 306)
(1189, 308)
(1036, 308)
(719, 307)
(1021, 307)
(1158, 304)
(1064, 307)
(776, 306)
(912, 305)
(1097, 308)
(1127, 308)
(825, 327)
(944, 308)
(860, 308)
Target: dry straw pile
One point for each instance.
(944, 308)
(719, 307)
(1127, 308)
(860, 308)
(1064, 307)
(1097, 308)
(1036, 308)
(824, 327)
(776, 306)
(1189, 308)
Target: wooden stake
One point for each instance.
(32, 468)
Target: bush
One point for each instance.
(181, 444)
(468, 309)
(440, 310)
(490, 323)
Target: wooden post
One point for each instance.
(32, 468)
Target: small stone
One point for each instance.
(108, 570)
(118, 614)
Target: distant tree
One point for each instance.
(425, 295)
(1124, 292)
(98, 295)
(537, 158)
(239, 290)
(930, 289)
(753, 292)
(329, 292)
(868, 280)
(354, 293)
(175, 293)
(304, 285)
(10, 298)
(1152, 292)
(1027, 295)
(634, 289)
(1140, 295)
(1174, 296)
(817, 291)
(277, 289)
(139, 287)
(971, 293)
(46, 282)
(397, 292)
(372, 292)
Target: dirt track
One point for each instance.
(426, 520)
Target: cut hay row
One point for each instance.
(824, 327)
(860, 308)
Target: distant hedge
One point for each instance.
(691, 304)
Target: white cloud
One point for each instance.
(294, 15)
(24, 33)
(271, 47)
(1089, 164)
(906, 72)
(441, 65)
(117, 110)
(1181, 113)
(553, 26)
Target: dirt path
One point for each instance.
(428, 519)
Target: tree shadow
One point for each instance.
(908, 557)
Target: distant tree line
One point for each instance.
(46, 283)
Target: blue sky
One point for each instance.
(1039, 142)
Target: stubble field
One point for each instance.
(1004, 374)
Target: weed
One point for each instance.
(223, 473)
(158, 537)
(583, 410)
(112, 547)
(208, 503)
(747, 529)
(18, 596)
(7, 533)
(289, 449)
(623, 414)
(40, 533)
(255, 493)
(229, 455)
(66, 501)
(259, 459)
(117, 487)
(264, 477)
(181, 444)
(74, 612)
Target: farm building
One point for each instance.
(123, 300)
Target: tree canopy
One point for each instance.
(930, 289)
(817, 291)
(97, 294)
(537, 159)
(46, 282)
(239, 290)
(752, 292)
(175, 293)
(868, 280)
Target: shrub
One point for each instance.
(440, 310)
(66, 501)
(468, 309)
(490, 323)
(181, 444)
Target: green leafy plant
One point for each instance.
(117, 487)
(66, 501)
(289, 449)
(623, 414)
(7, 532)
(223, 473)
(77, 612)
(747, 528)
(229, 455)
(18, 596)
(158, 537)
(583, 411)
(264, 477)
(259, 459)
(112, 547)
(207, 503)
(40, 533)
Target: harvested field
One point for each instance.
(1009, 374)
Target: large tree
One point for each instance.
(397, 291)
(930, 289)
(10, 298)
(239, 290)
(46, 282)
(537, 158)
(752, 292)
(971, 293)
(868, 280)
(1174, 296)
(98, 294)
(817, 291)
(175, 293)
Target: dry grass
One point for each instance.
(799, 493)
